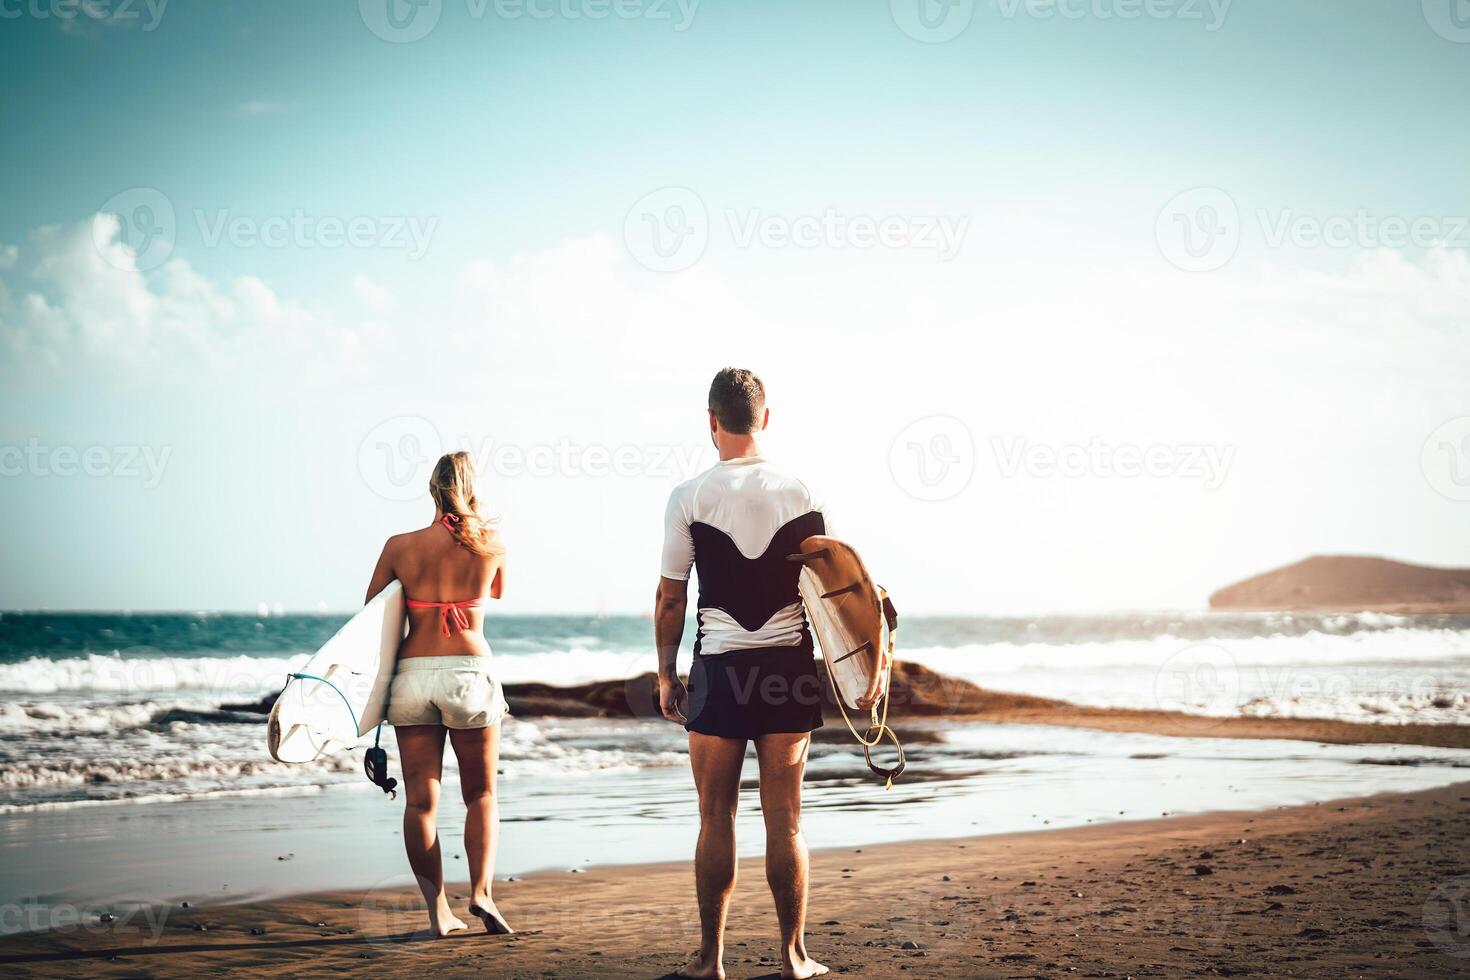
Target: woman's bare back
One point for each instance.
(434, 567)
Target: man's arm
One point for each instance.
(669, 605)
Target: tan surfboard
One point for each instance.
(854, 623)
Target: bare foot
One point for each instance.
(702, 967)
(495, 924)
(445, 922)
(802, 969)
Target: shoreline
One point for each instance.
(1322, 889)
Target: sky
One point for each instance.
(1064, 305)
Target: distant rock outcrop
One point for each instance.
(916, 691)
(1345, 583)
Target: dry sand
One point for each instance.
(1368, 887)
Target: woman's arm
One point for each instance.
(383, 574)
(497, 584)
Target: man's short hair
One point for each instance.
(738, 399)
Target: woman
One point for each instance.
(444, 684)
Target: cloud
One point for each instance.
(378, 299)
(85, 302)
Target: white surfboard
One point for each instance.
(313, 718)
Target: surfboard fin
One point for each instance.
(854, 587)
(853, 653)
(803, 557)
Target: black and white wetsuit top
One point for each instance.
(736, 523)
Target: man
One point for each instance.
(753, 677)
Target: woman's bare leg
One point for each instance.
(783, 763)
(478, 752)
(421, 753)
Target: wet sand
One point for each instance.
(1367, 887)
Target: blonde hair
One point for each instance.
(452, 486)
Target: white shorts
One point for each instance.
(456, 692)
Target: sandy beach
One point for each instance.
(1362, 887)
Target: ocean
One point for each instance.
(103, 708)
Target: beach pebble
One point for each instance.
(183, 905)
(201, 927)
(257, 931)
(1281, 890)
(106, 917)
(909, 944)
(1203, 869)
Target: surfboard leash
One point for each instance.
(880, 725)
(375, 760)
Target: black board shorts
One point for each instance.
(749, 693)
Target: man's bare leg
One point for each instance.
(782, 764)
(716, 763)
